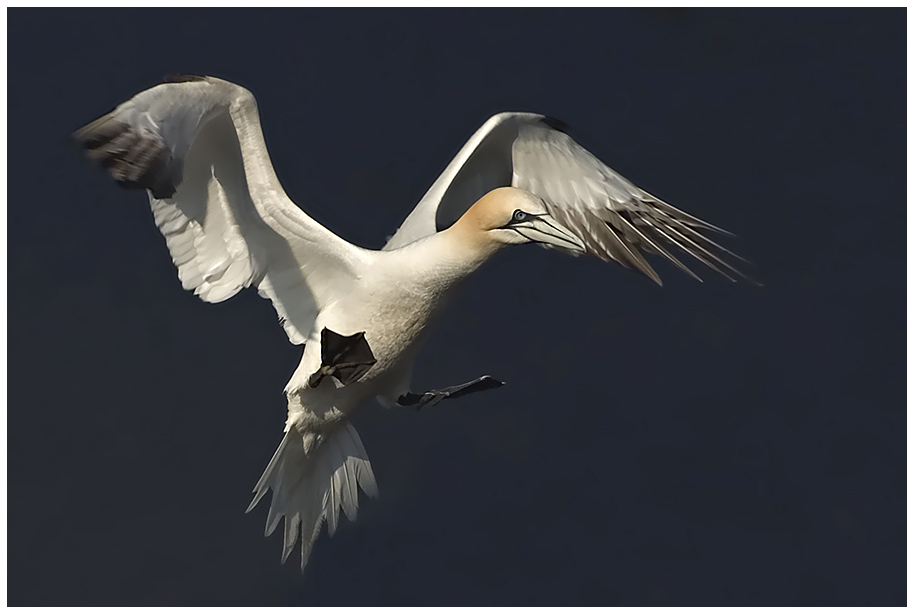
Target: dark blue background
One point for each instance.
(704, 444)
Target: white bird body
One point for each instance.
(393, 299)
(196, 145)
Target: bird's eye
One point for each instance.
(519, 216)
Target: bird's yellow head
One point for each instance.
(507, 216)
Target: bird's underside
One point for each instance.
(347, 358)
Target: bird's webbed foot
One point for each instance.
(345, 357)
(483, 383)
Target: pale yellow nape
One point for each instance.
(493, 210)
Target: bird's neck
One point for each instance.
(465, 249)
(439, 262)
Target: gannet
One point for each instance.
(195, 145)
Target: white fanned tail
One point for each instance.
(313, 476)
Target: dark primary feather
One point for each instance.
(135, 158)
(182, 78)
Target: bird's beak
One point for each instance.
(544, 229)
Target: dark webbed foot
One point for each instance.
(483, 383)
(345, 357)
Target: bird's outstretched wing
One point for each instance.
(195, 144)
(613, 217)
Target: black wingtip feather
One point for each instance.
(555, 124)
(182, 78)
(135, 159)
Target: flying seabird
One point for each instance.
(195, 145)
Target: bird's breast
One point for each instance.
(394, 321)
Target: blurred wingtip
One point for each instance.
(555, 124)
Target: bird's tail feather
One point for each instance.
(313, 476)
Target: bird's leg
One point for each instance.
(345, 357)
(483, 383)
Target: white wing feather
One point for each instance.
(611, 215)
(196, 145)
